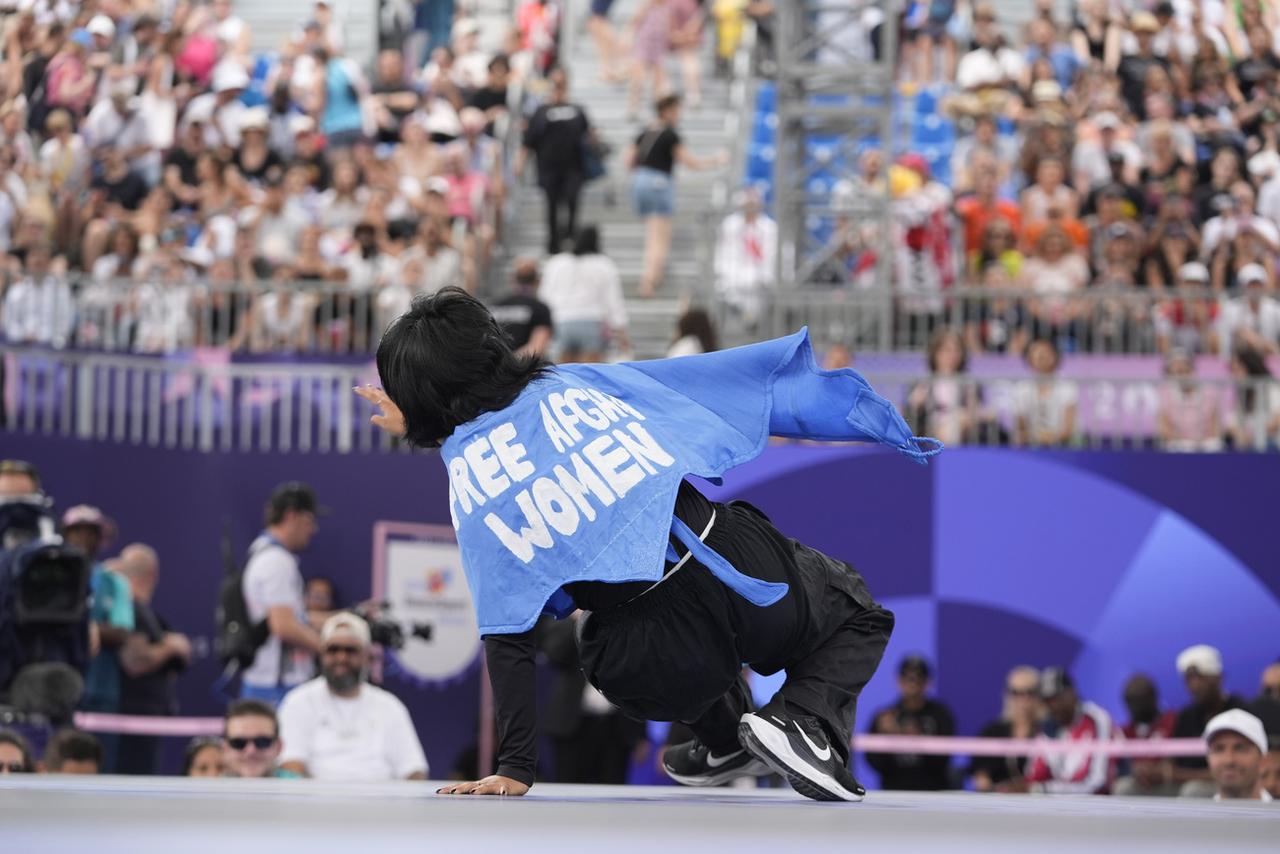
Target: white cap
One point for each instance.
(255, 117)
(228, 76)
(301, 123)
(345, 623)
(1194, 271)
(101, 25)
(1105, 120)
(1204, 658)
(465, 27)
(1241, 722)
(1251, 273)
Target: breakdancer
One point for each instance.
(568, 493)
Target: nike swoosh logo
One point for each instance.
(824, 754)
(715, 762)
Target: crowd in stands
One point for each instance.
(149, 160)
(307, 709)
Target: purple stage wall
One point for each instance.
(1105, 562)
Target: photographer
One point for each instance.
(86, 528)
(151, 658)
(273, 591)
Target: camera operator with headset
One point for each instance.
(273, 591)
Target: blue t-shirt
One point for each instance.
(113, 605)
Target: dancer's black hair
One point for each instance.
(446, 361)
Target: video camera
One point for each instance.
(44, 591)
(388, 632)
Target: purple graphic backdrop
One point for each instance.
(1105, 562)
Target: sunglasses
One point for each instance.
(15, 768)
(343, 650)
(1020, 692)
(262, 742)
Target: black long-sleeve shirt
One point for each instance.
(511, 658)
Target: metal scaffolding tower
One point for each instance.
(835, 99)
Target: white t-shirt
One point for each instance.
(1044, 407)
(368, 737)
(583, 287)
(271, 579)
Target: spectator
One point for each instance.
(1239, 216)
(15, 754)
(321, 597)
(946, 405)
(337, 727)
(1237, 750)
(38, 308)
(1071, 720)
(746, 258)
(1201, 669)
(607, 43)
(273, 592)
(111, 611)
(71, 751)
(584, 292)
(1255, 422)
(1020, 718)
(203, 758)
(983, 207)
(340, 89)
(694, 334)
(440, 263)
(1133, 68)
(1146, 722)
(649, 33)
(1048, 192)
(652, 160)
(1270, 776)
(687, 20)
(150, 659)
(991, 64)
(984, 145)
(1188, 322)
(1045, 407)
(1253, 317)
(1173, 243)
(998, 246)
(915, 713)
(1044, 44)
(555, 136)
(523, 317)
(1189, 417)
(1106, 159)
(1056, 271)
(393, 99)
(251, 741)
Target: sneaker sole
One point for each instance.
(772, 747)
(757, 768)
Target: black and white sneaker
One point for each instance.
(694, 764)
(797, 748)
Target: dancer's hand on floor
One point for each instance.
(391, 418)
(491, 785)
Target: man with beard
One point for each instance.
(338, 727)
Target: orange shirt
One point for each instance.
(976, 217)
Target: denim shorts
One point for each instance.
(581, 336)
(652, 192)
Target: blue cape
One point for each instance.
(576, 480)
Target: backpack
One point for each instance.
(238, 638)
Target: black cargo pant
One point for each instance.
(675, 653)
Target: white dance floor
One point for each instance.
(120, 814)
